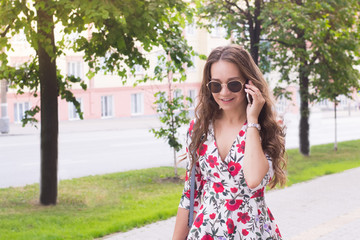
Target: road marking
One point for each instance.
(329, 226)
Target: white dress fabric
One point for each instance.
(225, 207)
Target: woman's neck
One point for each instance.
(233, 117)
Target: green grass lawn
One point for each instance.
(95, 206)
(323, 160)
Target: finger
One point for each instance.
(256, 95)
(252, 92)
(251, 86)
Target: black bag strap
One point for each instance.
(192, 193)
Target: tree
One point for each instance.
(118, 28)
(320, 41)
(173, 113)
(242, 20)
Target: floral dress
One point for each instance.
(225, 207)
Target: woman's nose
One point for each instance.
(224, 89)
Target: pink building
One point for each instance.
(106, 96)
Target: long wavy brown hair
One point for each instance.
(272, 134)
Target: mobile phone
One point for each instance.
(248, 96)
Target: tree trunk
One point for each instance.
(175, 165)
(49, 107)
(335, 143)
(255, 31)
(304, 105)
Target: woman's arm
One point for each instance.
(255, 164)
(181, 224)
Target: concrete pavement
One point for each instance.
(326, 208)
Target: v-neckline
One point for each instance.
(232, 145)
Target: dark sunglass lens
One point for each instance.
(214, 87)
(234, 86)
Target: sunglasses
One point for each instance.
(233, 86)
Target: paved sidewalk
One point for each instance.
(326, 208)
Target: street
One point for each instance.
(91, 147)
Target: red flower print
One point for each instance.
(270, 214)
(234, 190)
(259, 212)
(278, 231)
(244, 232)
(212, 160)
(258, 193)
(218, 187)
(191, 126)
(230, 226)
(243, 217)
(202, 150)
(196, 203)
(241, 147)
(187, 193)
(199, 220)
(216, 175)
(202, 183)
(187, 176)
(241, 133)
(234, 168)
(212, 216)
(207, 237)
(233, 204)
(198, 177)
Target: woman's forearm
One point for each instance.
(255, 162)
(181, 225)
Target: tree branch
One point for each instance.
(235, 5)
(6, 30)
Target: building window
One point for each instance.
(101, 65)
(161, 106)
(161, 60)
(137, 104)
(74, 69)
(192, 95)
(281, 105)
(73, 115)
(19, 111)
(177, 93)
(138, 69)
(217, 31)
(190, 28)
(106, 106)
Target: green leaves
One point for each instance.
(173, 114)
(121, 33)
(327, 30)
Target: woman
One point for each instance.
(230, 175)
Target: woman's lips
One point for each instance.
(226, 100)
